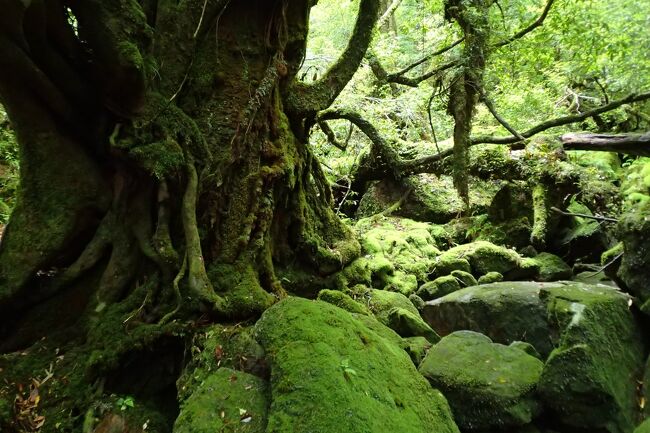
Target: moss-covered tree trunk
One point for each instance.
(164, 156)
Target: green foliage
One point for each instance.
(126, 402)
(8, 168)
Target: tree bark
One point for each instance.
(630, 144)
(165, 143)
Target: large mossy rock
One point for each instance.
(506, 312)
(587, 333)
(634, 272)
(590, 379)
(488, 385)
(334, 372)
(227, 400)
(397, 254)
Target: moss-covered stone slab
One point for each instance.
(488, 385)
(330, 372)
(227, 400)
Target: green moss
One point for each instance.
(488, 385)
(490, 277)
(227, 400)
(464, 278)
(447, 263)
(417, 301)
(552, 268)
(245, 296)
(342, 300)
(408, 324)
(439, 287)
(589, 380)
(611, 254)
(485, 257)
(634, 271)
(330, 371)
(417, 348)
(407, 244)
(381, 302)
(644, 427)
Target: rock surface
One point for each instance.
(488, 385)
(590, 339)
(332, 372)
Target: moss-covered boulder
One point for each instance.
(227, 400)
(485, 257)
(398, 254)
(490, 277)
(398, 313)
(331, 372)
(587, 333)
(488, 385)
(590, 379)
(342, 300)
(439, 287)
(552, 268)
(634, 271)
(408, 324)
(506, 312)
(417, 348)
(464, 278)
(445, 264)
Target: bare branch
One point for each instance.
(305, 100)
(389, 13)
(566, 120)
(427, 57)
(414, 82)
(490, 105)
(331, 136)
(521, 33)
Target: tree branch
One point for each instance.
(381, 22)
(304, 100)
(414, 82)
(427, 57)
(331, 136)
(399, 78)
(521, 33)
(560, 121)
(490, 105)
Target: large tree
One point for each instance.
(166, 178)
(164, 144)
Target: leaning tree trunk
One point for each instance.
(164, 156)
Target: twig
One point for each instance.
(582, 215)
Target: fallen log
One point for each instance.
(631, 144)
